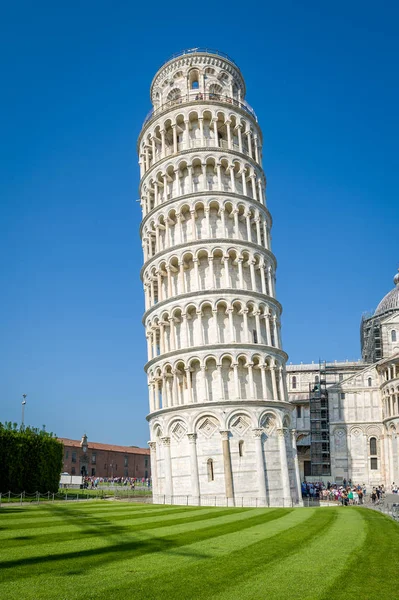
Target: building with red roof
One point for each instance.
(83, 457)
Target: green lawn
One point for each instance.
(108, 550)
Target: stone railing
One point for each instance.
(200, 50)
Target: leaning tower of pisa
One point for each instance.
(220, 421)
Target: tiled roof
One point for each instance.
(389, 302)
(108, 447)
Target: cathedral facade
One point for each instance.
(347, 413)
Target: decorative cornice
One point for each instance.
(200, 149)
(217, 194)
(196, 350)
(218, 293)
(233, 404)
(244, 113)
(211, 242)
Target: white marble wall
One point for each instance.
(244, 426)
(220, 421)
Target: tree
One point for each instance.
(30, 459)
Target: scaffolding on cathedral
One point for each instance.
(319, 424)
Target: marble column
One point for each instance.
(390, 454)
(228, 475)
(274, 384)
(296, 464)
(154, 471)
(168, 469)
(195, 486)
(285, 481)
(189, 386)
(260, 465)
(349, 455)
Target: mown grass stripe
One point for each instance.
(63, 533)
(278, 554)
(161, 563)
(327, 553)
(210, 547)
(86, 512)
(85, 521)
(165, 540)
(374, 567)
(32, 511)
(214, 575)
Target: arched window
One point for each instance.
(373, 454)
(193, 80)
(393, 335)
(293, 383)
(316, 379)
(241, 447)
(369, 382)
(209, 465)
(174, 94)
(215, 89)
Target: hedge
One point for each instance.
(30, 460)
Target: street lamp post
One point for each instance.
(23, 410)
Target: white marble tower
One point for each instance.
(220, 422)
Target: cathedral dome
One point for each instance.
(391, 300)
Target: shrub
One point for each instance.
(30, 460)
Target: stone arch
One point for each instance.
(287, 422)
(206, 424)
(157, 431)
(177, 428)
(212, 378)
(269, 422)
(222, 321)
(251, 421)
(227, 375)
(243, 379)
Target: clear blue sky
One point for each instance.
(323, 79)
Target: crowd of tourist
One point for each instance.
(346, 493)
(132, 482)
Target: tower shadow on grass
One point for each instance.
(83, 560)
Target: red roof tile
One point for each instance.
(109, 447)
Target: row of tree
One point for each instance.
(30, 460)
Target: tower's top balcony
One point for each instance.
(197, 70)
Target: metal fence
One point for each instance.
(237, 501)
(76, 495)
(391, 509)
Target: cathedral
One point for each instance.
(347, 413)
(230, 423)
